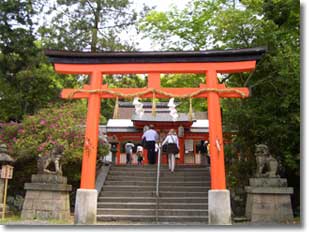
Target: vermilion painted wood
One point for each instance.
(91, 135)
(145, 156)
(215, 134)
(118, 154)
(181, 151)
(220, 67)
(154, 71)
(154, 80)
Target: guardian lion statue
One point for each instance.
(267, 166)
(54, 156)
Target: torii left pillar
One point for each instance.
(86, 195)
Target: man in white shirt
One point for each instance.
(151, 137)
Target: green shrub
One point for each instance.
(55, 125)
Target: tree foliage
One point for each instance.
(27, 81)
(88, 25)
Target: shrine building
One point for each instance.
(130, 127)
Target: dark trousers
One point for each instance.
(150, 146)
(128, 158)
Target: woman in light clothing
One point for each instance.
(172, 148)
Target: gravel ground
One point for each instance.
(18, 222)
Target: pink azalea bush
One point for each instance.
(61, 124)
(9, 133)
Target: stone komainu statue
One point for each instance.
(267, 166)
(54, 156)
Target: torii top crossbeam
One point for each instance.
(153, 64)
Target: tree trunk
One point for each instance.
(94, 35)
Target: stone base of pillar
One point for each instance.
(86, 206)
(219, 207)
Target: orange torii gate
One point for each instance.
(153, 64)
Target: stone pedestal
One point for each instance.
(47, 197)
(219, 207)
(269, 200)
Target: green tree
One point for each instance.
(17, 51)
(88, 25)
(185, 81)
(27, 82)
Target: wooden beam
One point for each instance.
(220, 67)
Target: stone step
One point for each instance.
(202, 200)
(129, 195)
(153, 199)
(152, 205)
(133, 188)
(125, 218)
(124, 211)
(163, 166)
(175, 175)
(130, 205)
(119, 199)
(145, 219)
(193, 171)
(162, 183)
(162, 178)
(177, 169)
(152, 212)
(152, 194)
(183, 220)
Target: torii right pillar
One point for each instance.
(219, 205)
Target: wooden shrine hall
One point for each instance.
(128, 126)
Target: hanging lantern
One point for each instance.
(181, 131)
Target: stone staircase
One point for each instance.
(128, 195)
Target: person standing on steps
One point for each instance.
(139, 153)
(129, 150)
(151, 136)
(172, 148)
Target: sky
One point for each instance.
(161, 5)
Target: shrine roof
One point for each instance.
(164, 105)
(161, 117)
(229, 55)
(119, 123)
(126, 126)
